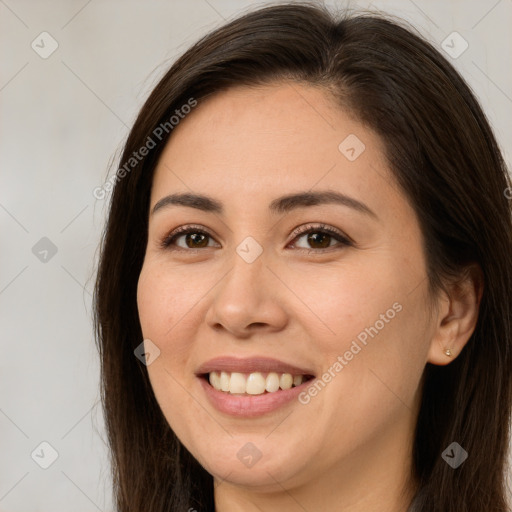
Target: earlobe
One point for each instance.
(456, 317)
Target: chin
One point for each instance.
(240, 462)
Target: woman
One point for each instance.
(302, 297)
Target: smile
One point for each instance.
(256, 383)
(250, 387)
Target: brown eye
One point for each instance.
(187, 238)
(316, 237)
(319, 238)
(195, 240)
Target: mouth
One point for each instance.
(251, 387)
(255, 383)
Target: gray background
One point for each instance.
(64, 118)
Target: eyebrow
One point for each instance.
(282, 204)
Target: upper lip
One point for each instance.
(250, 365)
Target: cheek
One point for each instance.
(344, 300)
(369, 325)
(165, 300)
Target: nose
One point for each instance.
(247, 300)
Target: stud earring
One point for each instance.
(448, 352)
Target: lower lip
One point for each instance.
(248, 406)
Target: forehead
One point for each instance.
(261, 140)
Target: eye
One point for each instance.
(192, 238)
(320, 237)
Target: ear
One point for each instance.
(456, 316)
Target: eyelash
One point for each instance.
(344, 241)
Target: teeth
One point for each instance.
(297, 380)
(237, 384)
(285, 381)
(255, 383)
(215, 380)
(272, 382)
(224, 381)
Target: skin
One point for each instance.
(349, 448)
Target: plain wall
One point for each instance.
(63, 119)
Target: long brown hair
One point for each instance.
(443, 154)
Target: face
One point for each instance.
(324, 294)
